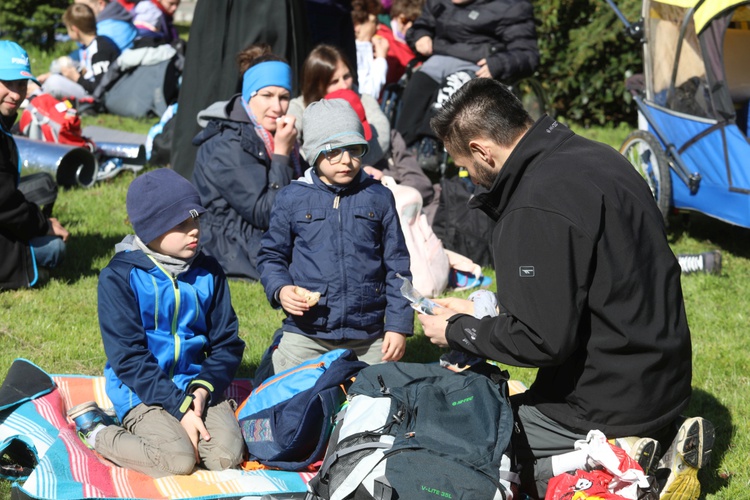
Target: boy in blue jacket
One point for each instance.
(170, 336)
(336, 232)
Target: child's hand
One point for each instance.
(285, 135)
(394, 346)
(200, 398)
(484, 69)
(196, 430)
(380, 46)
(292, 302)
(424, 46)
(71, 73)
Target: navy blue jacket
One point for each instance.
(20, 220)
(346, 243)
(501, 31)
(237, 183)
(165, 335)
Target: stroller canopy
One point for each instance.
(697, 56)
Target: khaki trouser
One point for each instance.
(153, 442)
(295, 349)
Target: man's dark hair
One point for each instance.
(480, 108)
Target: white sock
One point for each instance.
(569, 461)
(91, 439)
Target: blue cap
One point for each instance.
(14, 63)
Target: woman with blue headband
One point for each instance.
(247, 151)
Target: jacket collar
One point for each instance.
(6, 122)
(539, 141)
(311, 178)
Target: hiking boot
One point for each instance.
(645, 451)
(690, 450)
(88, 417)
(706, 262)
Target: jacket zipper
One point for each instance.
(344, 290)
(176, 290)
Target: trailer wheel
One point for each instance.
(645, 153)
(531, 94)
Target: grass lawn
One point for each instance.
(56, 326)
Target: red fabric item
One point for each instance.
(399, 54)
(353, 99)
(128, 4)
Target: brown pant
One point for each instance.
(153, 442)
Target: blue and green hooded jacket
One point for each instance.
(165, 335)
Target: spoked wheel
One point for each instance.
(645, 153)
(531, 94)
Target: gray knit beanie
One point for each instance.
(159, 200)
(330, 124)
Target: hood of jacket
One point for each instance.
(231, 110)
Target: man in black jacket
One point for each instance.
(28, 239)
(588, 288)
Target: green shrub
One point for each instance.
(585, 58)
(32, 22)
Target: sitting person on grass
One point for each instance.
(30, 241)
(113, 21)
(246, 153)
(333, 249)
(592, 299)
(170, 336)
(78, 80)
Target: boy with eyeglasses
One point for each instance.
(336, 232)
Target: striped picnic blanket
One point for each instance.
(64, 468)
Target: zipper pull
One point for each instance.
(383, 388)
(336, 202)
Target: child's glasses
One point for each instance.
(335, 155)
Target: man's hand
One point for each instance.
(484, 69)
(293, 303)
(285, 135)
(434, 325)
(461, 306)
(424, 46)
(56, 229)
(394, 346)
(196, 430)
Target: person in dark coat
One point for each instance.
(468, 39)
(590, 293)
(28, 239)
(220, 29)
(246, 153)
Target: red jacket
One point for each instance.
(399, 54)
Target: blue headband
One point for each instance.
(266, 74)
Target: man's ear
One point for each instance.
(480, 150)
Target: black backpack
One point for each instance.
(466, 231)
(414, 431)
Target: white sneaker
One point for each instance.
(690, 450)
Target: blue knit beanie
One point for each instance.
(159, 200)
